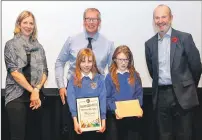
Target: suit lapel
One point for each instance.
(173, 47)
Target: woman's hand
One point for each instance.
(35, 104)
(35, 100)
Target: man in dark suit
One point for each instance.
(174, 64)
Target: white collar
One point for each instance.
(122, 72)
(90, 75)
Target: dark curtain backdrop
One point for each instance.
(52, 118)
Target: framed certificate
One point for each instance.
(89, 114)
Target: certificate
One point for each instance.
(89, 114)
(129, 108)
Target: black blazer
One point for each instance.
(185, 65)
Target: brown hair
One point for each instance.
(20, 18)
(83, 53)
(113, 68)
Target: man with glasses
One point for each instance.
(91, 38)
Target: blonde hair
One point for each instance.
(20, 18)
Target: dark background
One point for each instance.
(52, 113)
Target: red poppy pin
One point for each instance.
(174, 39)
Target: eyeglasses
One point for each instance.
(94, 20)
(122, 60)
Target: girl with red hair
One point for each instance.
(86, 82)
(123, 83)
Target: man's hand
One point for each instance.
(63, 93)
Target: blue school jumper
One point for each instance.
(87, 90)
(125, 128)
(127, 92)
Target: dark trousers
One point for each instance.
(111, 128)
(173, 122)
(24, 123)
(68, 132)
(127, 128)
(93, 135)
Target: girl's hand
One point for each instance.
(76, 126)
(140, 116)
(117, 115)
(103, 128)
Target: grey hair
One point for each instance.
(163, 5)
(92, 9)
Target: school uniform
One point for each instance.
(91, 87)
(126, 127)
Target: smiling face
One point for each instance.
(27, 26)
(162, 19)
(86, 65)
(92, 21)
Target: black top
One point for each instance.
(27, 73)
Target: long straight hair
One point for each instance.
(83, 53)
(113, 68)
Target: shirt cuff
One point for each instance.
(61, 85)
